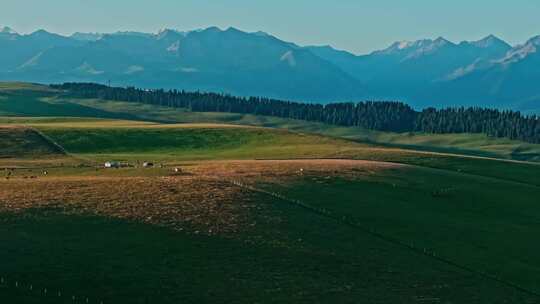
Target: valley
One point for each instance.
(269, 152)
(247, 208)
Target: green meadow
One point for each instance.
(483, 223)
(26, 100)
(419, 218)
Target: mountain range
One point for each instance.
(487, 72)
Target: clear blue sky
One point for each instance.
(355, 25)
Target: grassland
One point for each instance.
(25, 142)
(103, 140)
(188, 142)
(294, 261)
(143, 238)
(481, 223)
(25, 100)
(30, 101)
(190, 235)
(467, 144)
(24, 87)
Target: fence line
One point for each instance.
(373, 232)
(47, 292)
(59, 147)
(49, 140)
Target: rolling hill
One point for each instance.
(26, 142)
(418, 224)
(236, 200)
(22, 100)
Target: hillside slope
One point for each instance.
(189, 142)
(19, 142)
(24, 100)
(256, 208)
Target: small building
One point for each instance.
(112, 164)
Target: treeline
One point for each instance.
(495, 123)
(382, 116)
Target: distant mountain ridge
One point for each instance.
(422, 73)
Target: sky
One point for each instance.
(358, 26)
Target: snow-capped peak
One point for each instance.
(86, 36)
(396, 47)
(427, 47)
(404, 44)
(522, 51)
(413, 46)
(164, 31)
(534, 40)
(169, 33)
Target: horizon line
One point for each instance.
(259, 31)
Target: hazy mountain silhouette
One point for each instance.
(229, 61)
(424, 72)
